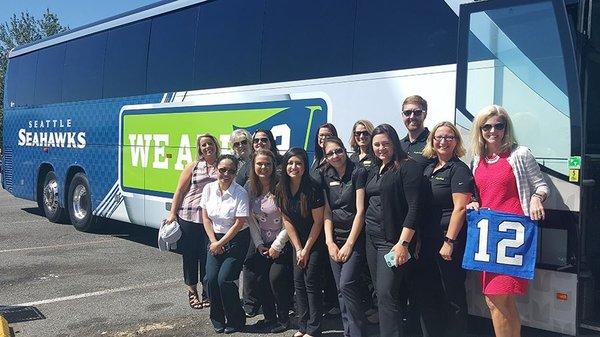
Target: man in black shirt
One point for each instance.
(414, 112)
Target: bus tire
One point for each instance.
(49, 199)
(80, 203)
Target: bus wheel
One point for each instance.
(80, 203)
(49, 198)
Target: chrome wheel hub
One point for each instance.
(80, 202)
(51, 195)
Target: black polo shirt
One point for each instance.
(303, 225)
(454, 177)
(341, 194)
(367, 161)
(415, 149)
(374, 211)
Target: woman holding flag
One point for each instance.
(507, 179)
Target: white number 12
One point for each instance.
(482, 251)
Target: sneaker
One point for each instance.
(280, 327)
(250, 311)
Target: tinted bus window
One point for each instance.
(307, 39)
(84, 61)
(171, 52)
(228, 54)
(404, 34)
(126, 60)
(21, 78)
(48, 83)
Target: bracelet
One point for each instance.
(450, 241)
(541, 196)
(405, 243)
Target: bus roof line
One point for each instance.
(105, 24)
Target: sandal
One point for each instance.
(194, 301)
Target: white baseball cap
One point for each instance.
(168, 235)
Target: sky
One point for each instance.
(72, 13)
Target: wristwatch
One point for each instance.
(450, 241)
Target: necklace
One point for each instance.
(492, 159)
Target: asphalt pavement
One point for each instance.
(56, 281)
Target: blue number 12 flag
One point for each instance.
(501, 243)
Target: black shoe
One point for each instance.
(280, 327)
(250, 311)
(265, 323)
(219, 330)
(231, 329)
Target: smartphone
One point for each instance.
(390, 259)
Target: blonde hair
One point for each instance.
(368, 125)
(459, 150)
(509, 141)
(199, 155)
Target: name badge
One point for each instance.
(334, 183)
(367, 162)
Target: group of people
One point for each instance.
(396, 205)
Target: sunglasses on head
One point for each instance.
(416, 112)
(241, 143)
(224, 170)
(498, 126)
(260, 140)
(339, 151)
(361, 133)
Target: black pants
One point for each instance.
(273, 283)
(453, 280)
(221, 273)
(387, 283)
(309, 291)
(250, 291)
(350, 291)
(193, 249)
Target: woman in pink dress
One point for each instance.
(508, 179)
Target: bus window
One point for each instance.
(171, 51)
(84, 60)
(21, 80)
(315, 42)
(403, 34)
(48, 80)
(126, 53)
(228, 54)
(524, 71)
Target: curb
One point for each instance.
(4, 330)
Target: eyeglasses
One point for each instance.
(260, 140)
(337, 151)
(357, 134)
(498, 127)
(323, 136)
(223, 170)
(446, 138)
(240, 143)
(416, 112)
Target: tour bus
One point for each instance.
(99, 121)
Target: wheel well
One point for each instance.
(70, 173)
(42, 171)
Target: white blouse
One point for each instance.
(224, 208)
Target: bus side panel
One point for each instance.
(80, 134)
(550, 303)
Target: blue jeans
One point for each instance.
(221, 273)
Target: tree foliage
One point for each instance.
(20, 30)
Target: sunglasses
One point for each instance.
(498, 127)
(337, 151)
(260, 140)
(240, 143)
(446, 138)
(223, 170)
(416, 112)
(357, 134)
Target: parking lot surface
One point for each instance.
(56, 281)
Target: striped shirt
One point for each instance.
(528, 175)
(202, 174)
